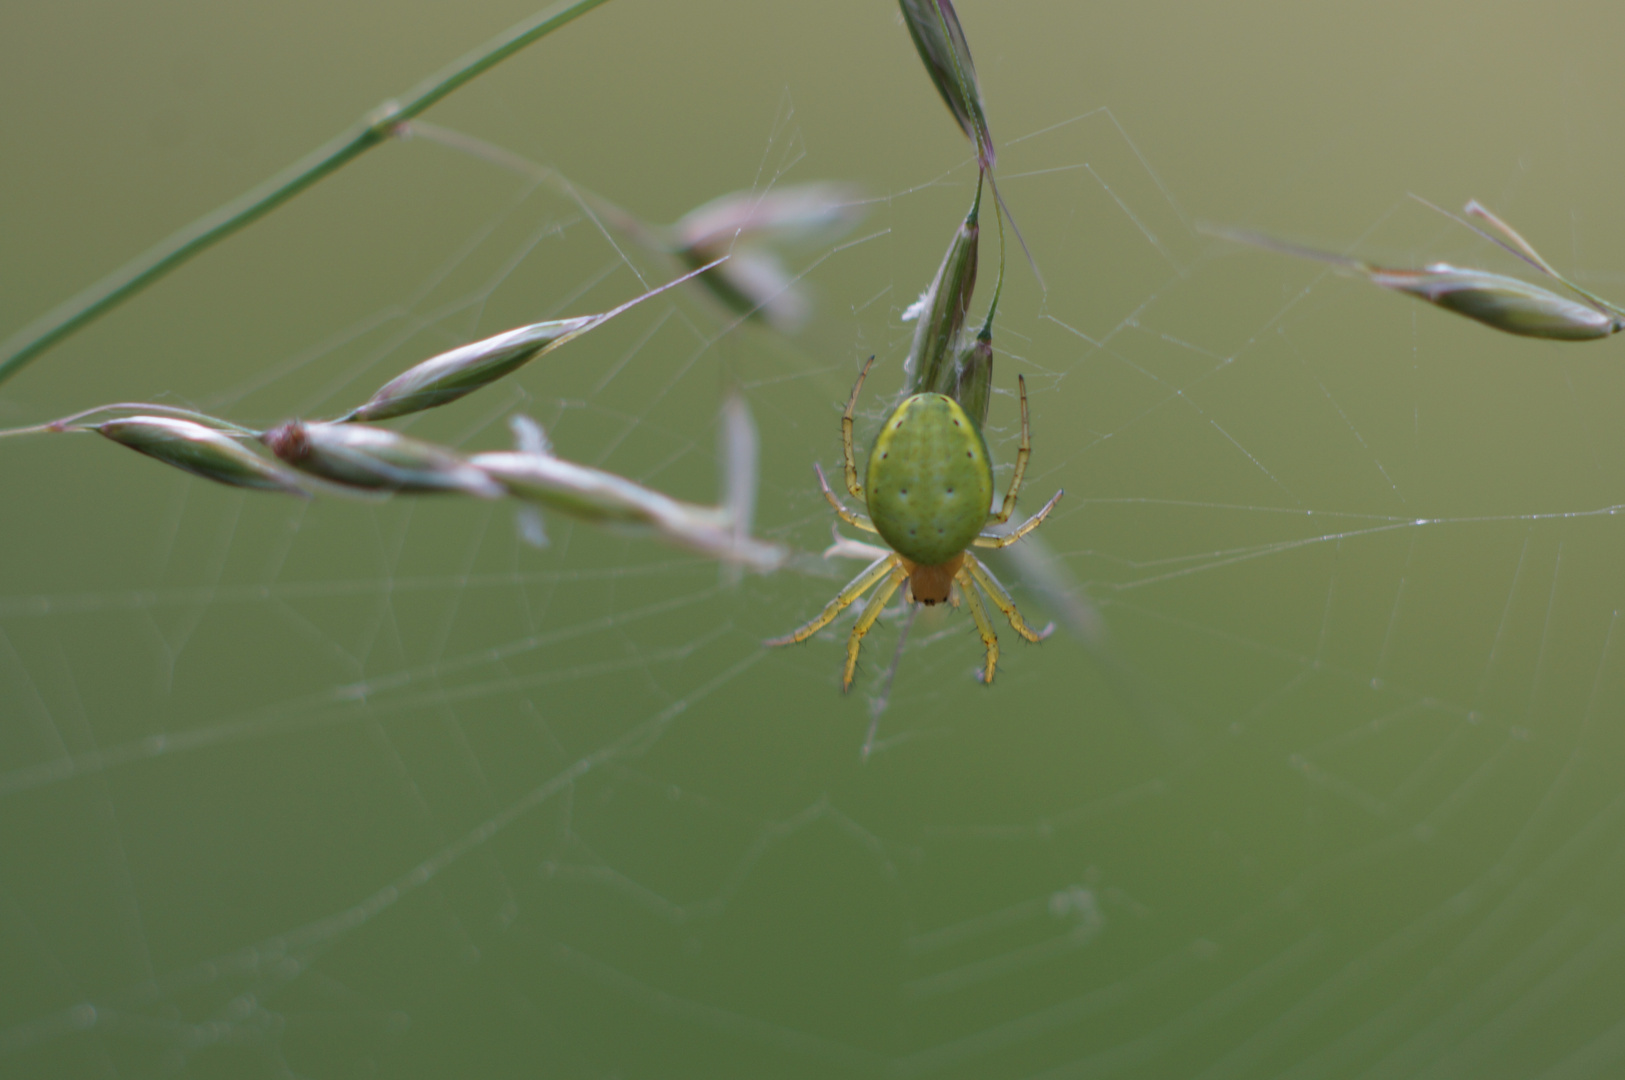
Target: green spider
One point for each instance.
(930, 487)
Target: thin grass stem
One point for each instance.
(71, 421)
(599, 210)
(79, 311)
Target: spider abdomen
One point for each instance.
(930, 482)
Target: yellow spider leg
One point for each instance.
(997, 540)
(854, 589)
(850, 458)
(1022, 454)
(1002, 599)
(857, 521)
(871, 612)
(979, 614)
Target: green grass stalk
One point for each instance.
(72, 315)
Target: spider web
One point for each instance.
(374, 788)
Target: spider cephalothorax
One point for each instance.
(928, 490)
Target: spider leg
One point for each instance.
(1001, 598)
(850, 459)
(857, 521)
(871, 612)
(990, 640)
(1022, 454)
(843, 600)
(1003, 540)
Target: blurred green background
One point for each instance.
(349, 789)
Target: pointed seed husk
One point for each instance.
(465, 369)
(201, 451)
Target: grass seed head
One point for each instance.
(1506, 303)
(463, 370)
(749, 225)
(201, 451)
(377, 459)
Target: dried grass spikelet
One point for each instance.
(1508, 304)
(749, 225)
(1505, 303)
(465, 369)
(940, 312)
(376, 459)
(534, 473)
(201, 451)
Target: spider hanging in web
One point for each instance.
(929, 493)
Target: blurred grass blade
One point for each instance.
(754, 284)
(815, 212)
(377, 459)
(940, 312)
(1508, 304)
(201, 451)
(934, 26)
(378, 126)
(463, 370)
(740, 449)
(749, 224)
